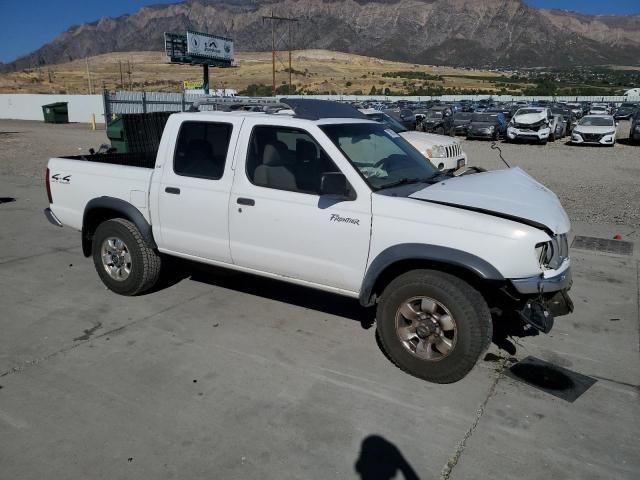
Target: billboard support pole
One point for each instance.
(205, 79)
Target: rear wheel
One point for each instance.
(440, 131)
(124, 262)
(433, 325)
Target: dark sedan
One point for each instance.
(626, 111)
(487, 125)
(634, 133)
(461, 121)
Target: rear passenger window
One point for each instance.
(286, 159)
(201, 150)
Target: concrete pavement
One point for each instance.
(225, 375)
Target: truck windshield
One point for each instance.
(383, 158)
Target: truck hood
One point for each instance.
(511, 194)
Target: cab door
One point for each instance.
(193, 194)
(279, 222)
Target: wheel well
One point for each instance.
(91, 221)
(403, 266)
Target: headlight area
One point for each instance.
(437, 151)
(553, 253)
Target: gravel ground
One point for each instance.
(595, 184)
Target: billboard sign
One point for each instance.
(209, 46)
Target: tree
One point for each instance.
(373, 91)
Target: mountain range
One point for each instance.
(474, 33)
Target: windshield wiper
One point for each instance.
(405, 181)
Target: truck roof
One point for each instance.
(319, 111)
(281, 113)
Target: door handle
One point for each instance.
(174, 190)
(246, 201)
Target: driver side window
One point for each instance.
(286, 159)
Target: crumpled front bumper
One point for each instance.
(541, 284)
(548, 298)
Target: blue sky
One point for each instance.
(27, 25)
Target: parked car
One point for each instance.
(531, 123)
(558, 127)
(599, 109)
(634, 131)
(626, 110)
(595, 129)
(576, 110)
(568, 118)
(461, 121)
(405, 116)
(438, 120)
(445, 153)
(330, 200)
(487, 125)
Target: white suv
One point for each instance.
(445, 153)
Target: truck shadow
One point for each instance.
(274, 290)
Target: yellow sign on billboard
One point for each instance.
(192, 85)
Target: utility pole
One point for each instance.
(129, 73)
(121, 80)
(290, 92)
(273, 19)
(86, 61)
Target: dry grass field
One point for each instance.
(313, 71)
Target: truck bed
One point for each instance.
(140, 159)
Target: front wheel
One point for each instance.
(433, 325)
(124, 262)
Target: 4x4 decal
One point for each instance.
(57, 178)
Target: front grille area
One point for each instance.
(592, 137)
(527, 126)
(453, 150)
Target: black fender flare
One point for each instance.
(422, 251)
(124, 209)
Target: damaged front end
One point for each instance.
(527, 306)
(540, 312)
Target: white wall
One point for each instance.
(29, 106)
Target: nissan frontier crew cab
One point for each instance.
(313, 193)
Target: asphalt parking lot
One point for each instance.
(223, 375)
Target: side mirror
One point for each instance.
(335, 185)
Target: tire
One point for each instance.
(439, 131)
(133, 267)
(543, 142)
(445, 295)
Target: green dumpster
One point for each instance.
(56, 112)
(137, 132)
(115, 133)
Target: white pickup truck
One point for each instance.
(318, 195)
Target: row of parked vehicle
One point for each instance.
(539, 122)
